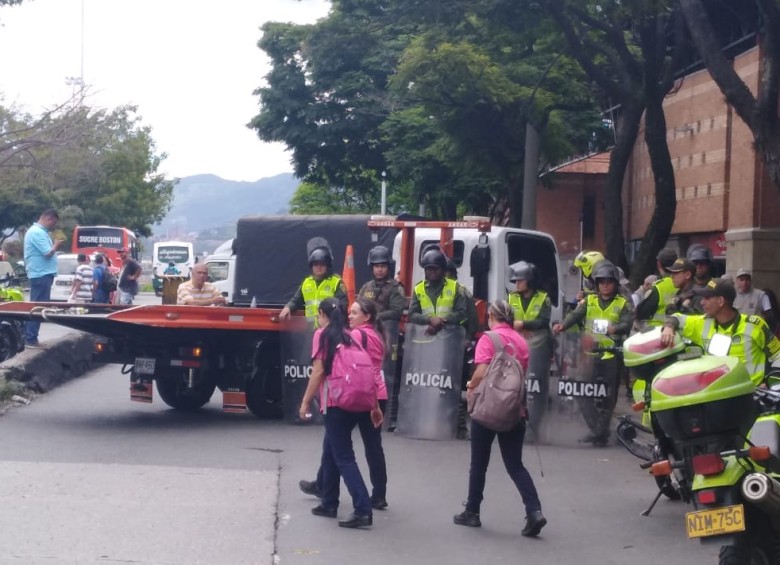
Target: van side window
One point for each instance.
(541, 252)
(218, 270)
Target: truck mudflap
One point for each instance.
(431, 379)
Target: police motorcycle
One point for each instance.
(11, 331)
(709, 406)
(647, 356)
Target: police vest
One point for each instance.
(666, 295)
(444, 302)
(534, 306)
(745, 329)
(314, 293)
(610, 313)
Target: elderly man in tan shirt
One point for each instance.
(198, 291)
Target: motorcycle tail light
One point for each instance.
(690, 383)
(709, 464)
(706, 497)
(661, 468)
(759, 453)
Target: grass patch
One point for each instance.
(8, 389)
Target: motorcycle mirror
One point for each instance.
(719, 345)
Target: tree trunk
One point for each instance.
(662, 220)
(515, 193)
(627, 130)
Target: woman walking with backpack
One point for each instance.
(500, 321)
(338, 456)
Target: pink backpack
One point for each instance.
(351, 385)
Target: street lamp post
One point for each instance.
(384, 193)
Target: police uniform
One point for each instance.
(312, 292)
(652, 310)
(440, 299)
(388, 295)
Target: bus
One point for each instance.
(107, 240)
(180, 253)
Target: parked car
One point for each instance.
(63, 281)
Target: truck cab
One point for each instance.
(222, 269)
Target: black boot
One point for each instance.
(534, 523)
(467, 518)
(310, 488)
(356, 521)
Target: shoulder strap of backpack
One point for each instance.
(498, 345)
(363, 338)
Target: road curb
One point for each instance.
(57, 362)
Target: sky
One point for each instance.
(190, 67)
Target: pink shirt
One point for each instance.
(484, 351)
(320, 354)
(375, 346)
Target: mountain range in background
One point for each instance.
(205, 208)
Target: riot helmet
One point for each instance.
(378, 255)
(606, 270)
(698, 253)
(523, 271)
(320, 255)
(434, 258)
(587, 260)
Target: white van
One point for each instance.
(180, 253)
(63, 280)
(222, 269)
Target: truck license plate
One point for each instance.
(144, 366)
(725, 520)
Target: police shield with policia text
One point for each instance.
(608, 316)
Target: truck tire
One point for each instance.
(7, 344)
(262, 402)
(172, 388)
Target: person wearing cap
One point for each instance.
(383, 290)
(322, 283)
(652, 310)
(436, 301)
(127, 286)
(685, 301)
(751, 300)
(607, 305)
(752, 342)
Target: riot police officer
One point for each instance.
(436, 301)
(652, 310)
(586, 261)
(472, 317)
(322, 283)
(686, 301)
(610, 307)
(386, 292)
(702, 258)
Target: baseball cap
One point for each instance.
(744, 273)
(719, 287)
(666, 257)
(682, 265)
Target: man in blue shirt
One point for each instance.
(40, 262)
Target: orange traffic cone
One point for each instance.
(348, 275)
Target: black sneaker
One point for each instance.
(357, 521)
(534, 523)
(310, 488)
(324, 512)
(379, 503)
(467, 518)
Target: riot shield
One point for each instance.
(296, 369)
(390, 328)
(540, 351)
(430, 388)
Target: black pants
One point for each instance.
(511, 445)
(597, 411)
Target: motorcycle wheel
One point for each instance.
(743, 555)
(667, 488)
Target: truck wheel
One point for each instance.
(260, 401)
(7, 344)
(172, 388)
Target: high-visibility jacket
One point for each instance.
(752, 342)
(534, 306)
(315, 292)
(444, 302)
(666, 295)
(611, 313)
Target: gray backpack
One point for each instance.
(499, 402)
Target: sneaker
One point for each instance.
(33, 344)
(534, 523)
(310, 488)
(467, 518)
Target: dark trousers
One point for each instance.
(375, 457)
(597, 412)
(511, 445)
(338, 461)
(40, 291)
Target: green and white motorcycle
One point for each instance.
(11, 331)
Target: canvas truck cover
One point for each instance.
(271, 258)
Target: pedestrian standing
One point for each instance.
(83, 285)
(127, 287)
(40, 262)
(338, 456)
(99, 273)
(500, 321)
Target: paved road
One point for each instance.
(87, 477)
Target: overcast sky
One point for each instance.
(189, 65)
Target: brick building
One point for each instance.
(724, 197)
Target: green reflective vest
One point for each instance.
(315, 292)
(611, 313)
(444, 302)
(534, 306)
(666, 295)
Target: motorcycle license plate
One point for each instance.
(144, 366)
(724, 520)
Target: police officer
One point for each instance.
(586, 261)
(607, 305)
(321, 284)
(702, 258)
(752, 342)
(472, 317)
(532, 312)
(685, 301)
(436, 301)
(652, 310)
(386, 292)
